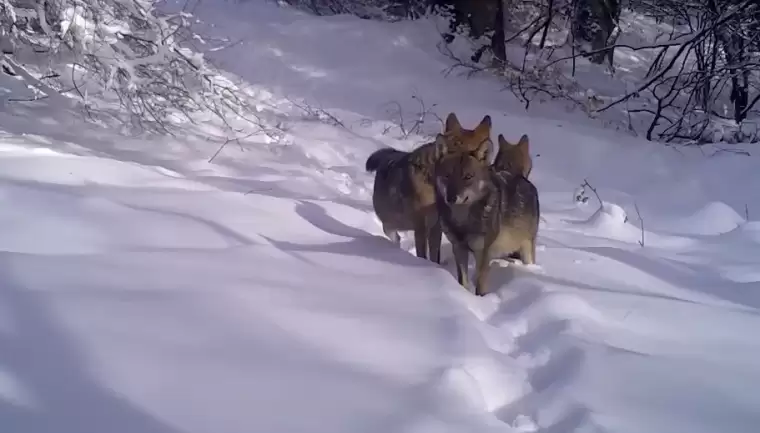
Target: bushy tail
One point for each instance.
(383, 158)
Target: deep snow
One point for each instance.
(146, 290)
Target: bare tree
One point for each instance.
(703, 76)
(367, 9)
(708, 61)
(713, 57)
(125, 50)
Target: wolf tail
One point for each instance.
(382, 159)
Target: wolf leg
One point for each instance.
(434, 240)
(528, 252)
(421, 238)
(482, 267)
(392, 235)
(462, 258)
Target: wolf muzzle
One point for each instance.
(451, 196)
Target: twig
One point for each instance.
(218, 151)
(682, 48)
(236, 140)
(641, 220)
(397, 117)
(400, 123)
(734, 151)
(422, 115)
(587, 184)
(318, 113)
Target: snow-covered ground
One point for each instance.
(147, 290)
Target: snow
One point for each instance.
(148, 290)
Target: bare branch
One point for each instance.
(641, 221)
(586, 184)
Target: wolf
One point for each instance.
(486, 211)
(514, 158)
(403, 195)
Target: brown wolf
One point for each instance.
(514, 158)
(404, 195)
(485, 211)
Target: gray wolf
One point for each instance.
(514, 158)
(488, 212)
(403, 195)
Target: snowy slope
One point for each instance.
(146, 290)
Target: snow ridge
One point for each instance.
(148, 290)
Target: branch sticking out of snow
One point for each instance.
(318, 113)
(641, 221)
(412, 126)
(585, 185)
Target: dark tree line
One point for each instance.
(594, 21)
(706, 71)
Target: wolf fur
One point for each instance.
(404, 195)
(486, 211)
(514, 158)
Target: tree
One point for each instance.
(595, 22)
(481, 17)
(124, 49)
(721, 37)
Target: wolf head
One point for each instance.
(514, 158)
(456, 139)
(462, 178)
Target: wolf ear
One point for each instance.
(484, 127)
(524, 142)
(502, 141)
(452, 123)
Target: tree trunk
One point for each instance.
(498, 45)
(595, 26)
(481, 16)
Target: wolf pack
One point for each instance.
(451, 187)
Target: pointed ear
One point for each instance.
(524, 142)
(502, 141)
(452, 123)
(484, 127)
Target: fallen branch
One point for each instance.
(734, 151)
(318, 113)
(641, 220)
